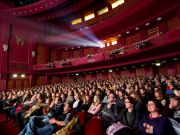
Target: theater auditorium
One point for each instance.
(89, 67)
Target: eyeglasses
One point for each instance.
(150, 104)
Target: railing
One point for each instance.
(149, 43)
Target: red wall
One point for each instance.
(21, 40)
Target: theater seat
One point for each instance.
(93, 127)
(82, 118)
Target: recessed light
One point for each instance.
(14, 75)
(127, 32)
(159, 19)
(158, 64)
(23, 75)
(110, 71)
(175, 59)
(137, 28)
(147, 24)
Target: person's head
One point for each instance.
(111, 97)
(129, 102)
(108, 92)
(48, 100)
(97, 99)
(135, 96)
(67, 107)
(77, 96)
(174, 102)
(178, 91)
(154, 105)
(142, 91)
(87, 98)
(56, 100)
(121, 93)
(158, 94)
(70, 93)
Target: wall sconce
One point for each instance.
(33, 53)
(5, 47)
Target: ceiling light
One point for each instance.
(159, 18)
(175, 59)
(119, 35)
(108, 44)
(137, 28)
(23, 75)
(147, 24)
(158, 64)
(127, 32)
(110, 71)
(14, 75)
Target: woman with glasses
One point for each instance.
(129, 116)
(155, 123)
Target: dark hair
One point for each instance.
(176, 98)
(158, 104)
(131, 100)
(70, 104)
(113, 93)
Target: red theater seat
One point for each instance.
(82, 118)
(93, 127)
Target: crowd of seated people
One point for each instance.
(139, 105)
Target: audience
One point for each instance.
(146, 105)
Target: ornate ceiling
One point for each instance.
(59, 13)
